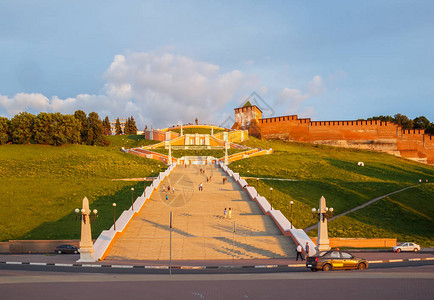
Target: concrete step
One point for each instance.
(200, 231)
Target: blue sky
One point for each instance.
(169, 61)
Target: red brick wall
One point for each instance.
(375, 135)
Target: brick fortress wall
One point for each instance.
(372, 135)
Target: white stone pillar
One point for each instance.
(323, 236)
(86, 244)
(170, 155)
(226, 154)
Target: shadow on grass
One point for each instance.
(68, 227)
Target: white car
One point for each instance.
(406, 247)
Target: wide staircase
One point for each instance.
(199, 229)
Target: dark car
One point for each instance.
(66, 249)
(335, 260)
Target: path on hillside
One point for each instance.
(199, 230)
(310, 228)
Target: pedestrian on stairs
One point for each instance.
(225, 212)
(230, 213)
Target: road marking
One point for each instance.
(37, 264)
(13, 263)
(122, 266)
(395, 260)
(91, 266)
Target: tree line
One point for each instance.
(58, 129)
(407, 123)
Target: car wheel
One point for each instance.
(398, 250)
(361, 266)
(75, 251)
(415, 249)
(314, 270)
(59, 251)
(326, 267)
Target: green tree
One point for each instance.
(133, 127)
(382, 118)
(96, 129)
(403, 121)
(107, 126)
(44, 129)
(421, 123)
(68, 130)
(21, 128)
(4, 130)
(127, 128)
(84, 126)
(118, 127)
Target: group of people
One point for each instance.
(300, 251)
(167, 190)
(227, 213)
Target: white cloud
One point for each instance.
(153, 87)
(292, 99)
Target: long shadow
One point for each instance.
(167, 228)
(68, 227)
(249, 248)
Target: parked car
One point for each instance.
(407, 246)
(334, 260)
(66, 249)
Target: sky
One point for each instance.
(168, 62)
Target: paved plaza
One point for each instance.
(200, 231)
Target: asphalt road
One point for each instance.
(414, 281)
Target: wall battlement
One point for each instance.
(375, 135)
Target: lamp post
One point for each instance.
(271, 198)
(114, 216)
(291, 202)
(132, 199)
(322, 214)
(86, 244)
(257, 183)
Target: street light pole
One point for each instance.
(291, 202)
(257, 183)
(114, 216)
(271, 198)
(132, 199)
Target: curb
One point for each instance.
(197, 267)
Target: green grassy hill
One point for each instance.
(333, 173)
(42, 185)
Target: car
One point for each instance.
(66, 249)
(334, 260)
(407, 246)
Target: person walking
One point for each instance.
(307, 249)
(230, 213)
(299, 254)
(167, 197)
(173, 190)
(164, 188)
(225, 212)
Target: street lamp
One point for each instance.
(132, 199)
(83, 214)
(271, 198)
(114, 216)
(291, 202)
(257, 183)
(322, 216)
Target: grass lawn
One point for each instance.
(333, 173)
(42, 185)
